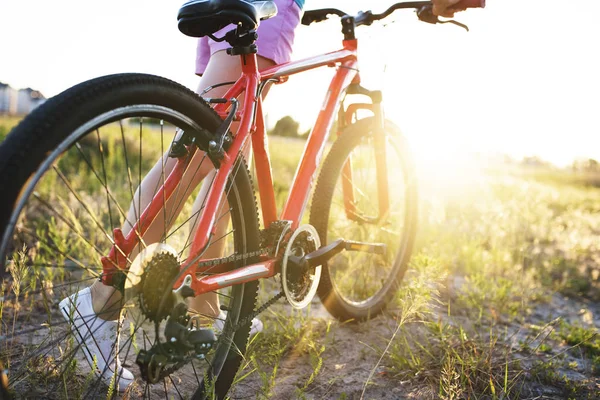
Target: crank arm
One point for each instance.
(325, 253)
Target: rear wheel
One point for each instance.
(357, 285)
(69, 173)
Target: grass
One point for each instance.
(584, 342)
(505, 247)
(461, 363)
(485, 260)
(491, 253)
(6, 124)
(290, 335)
(285, 154)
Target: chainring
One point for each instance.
(300, 287)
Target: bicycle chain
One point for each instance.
(259, 310)
(234, 257)
(239, 257)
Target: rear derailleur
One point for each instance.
(183, 343)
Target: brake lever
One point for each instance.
(451, 21)
(426, 14)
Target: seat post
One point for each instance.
(242, 41)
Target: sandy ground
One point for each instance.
(354, 369)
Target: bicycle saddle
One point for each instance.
(199, 18)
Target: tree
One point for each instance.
(586, 165)
(287, 127)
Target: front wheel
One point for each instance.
(348, 204)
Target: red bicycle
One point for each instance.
(70, 171)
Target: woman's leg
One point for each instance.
(208, 304)
(106, 300)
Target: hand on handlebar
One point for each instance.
(443, 8)
(447, 8)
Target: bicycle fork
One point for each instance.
(380, 152)
(323, 254)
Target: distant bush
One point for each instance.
(286, 127)
(586, 165)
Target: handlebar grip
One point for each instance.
(464, 4)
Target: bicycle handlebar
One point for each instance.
(367, 17)
(319, 15)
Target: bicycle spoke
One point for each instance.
(61, 216)
(129, 342)
(189, 184)
(232, 178)
(203, 315)
(135, 213)
(108, 197)
(162, 176)
(147, 391)
(221, 294)
(221, 237)
(111, 197)
(58, 251)
(56, 266)
(165, 388)
(90, 213)
(355, 187)
(195, 373)
(140, 188)
(72, 356)
(193, 225)
(183, 224)
(146, 339)
(12, 297)
(175, 386)
(19, 373)
(210, 243)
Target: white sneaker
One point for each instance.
(257, 325)
(98, 338)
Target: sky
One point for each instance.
(524, 81)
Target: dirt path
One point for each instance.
(352, 357)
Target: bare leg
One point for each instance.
(105, 299)
(221, 68)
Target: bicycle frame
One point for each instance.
(251, 124)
